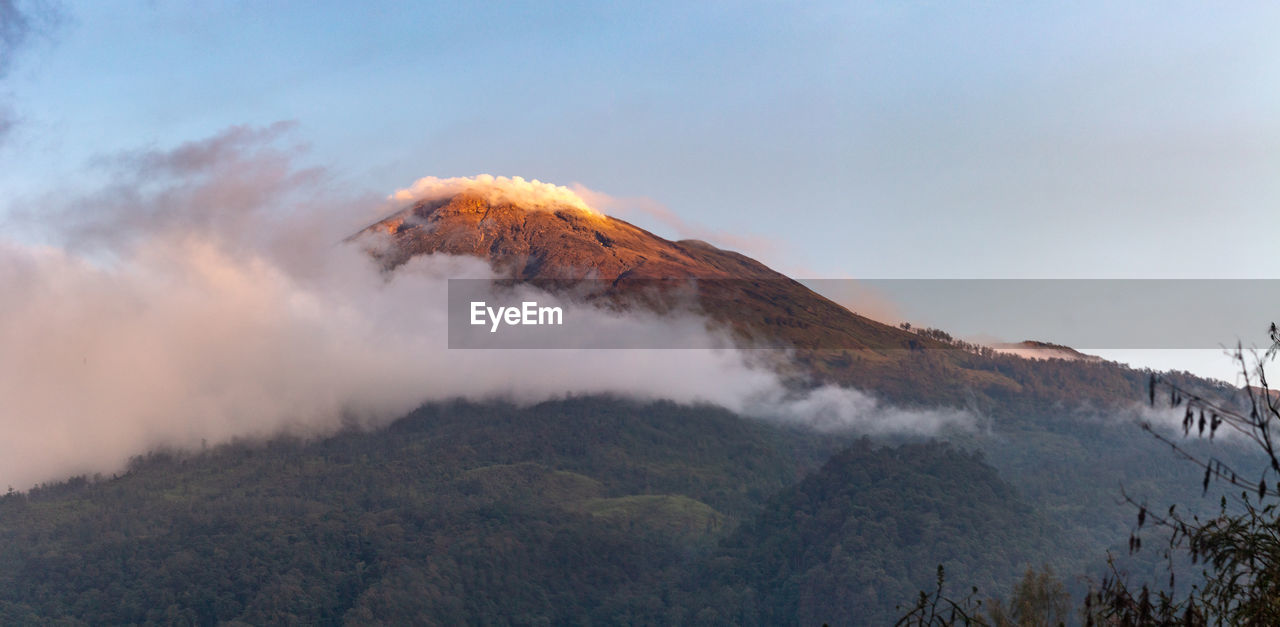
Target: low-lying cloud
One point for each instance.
(206, 296)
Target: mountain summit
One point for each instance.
(529, 230)
(547, 236)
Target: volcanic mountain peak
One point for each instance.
(535, 230)
(529, 230)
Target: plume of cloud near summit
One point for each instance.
(531, 194)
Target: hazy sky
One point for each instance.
(872, 140)
(863, 139)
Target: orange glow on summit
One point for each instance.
(515, 190)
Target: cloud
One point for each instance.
(7, 120)
(205, 295)
(238, 188)
(832, 408)
(19, 25)
(14, 29)
(496, 189)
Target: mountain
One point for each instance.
(552, 242)
(580, 510)
(1057, 429)
(597, 509)
(563, 242)
(556, 239)
(586, 510)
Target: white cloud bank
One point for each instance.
(203, 297)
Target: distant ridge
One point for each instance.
(1033, 349)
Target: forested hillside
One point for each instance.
(560, 511)
(582, 510)
(863, 534)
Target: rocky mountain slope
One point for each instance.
(560, 242)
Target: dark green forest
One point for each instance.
(567, 510)
(578, 511)
(860, 536)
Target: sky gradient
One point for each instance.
(831, 140)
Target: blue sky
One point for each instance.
(872, 140)
(866, 140)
